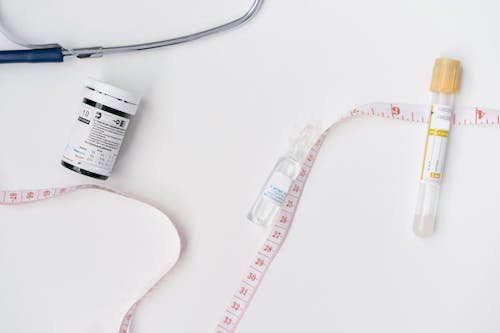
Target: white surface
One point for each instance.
(215, 117)
(66, 261)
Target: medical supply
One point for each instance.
(99, 129)
(248, 286)
(278, 184)
(255, 273)
(444, 85)
(55, 53)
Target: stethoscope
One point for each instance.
(55, 53)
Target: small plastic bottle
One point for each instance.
(279, 182)
(99, 130)
(445, 81)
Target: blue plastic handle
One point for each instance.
(33, 55)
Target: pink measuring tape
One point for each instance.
(33, 196)
(281, 225)
(258, 267)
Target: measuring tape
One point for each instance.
(249, 284)
(256, 271)
(33, 196)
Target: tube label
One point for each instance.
(277, 188)
(435, 145)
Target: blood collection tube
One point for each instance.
(444, 85)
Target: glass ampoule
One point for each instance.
(279, 182)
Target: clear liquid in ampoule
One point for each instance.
(275, 191)
(279, 182)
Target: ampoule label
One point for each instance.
(435, 145)
(277, 188)
(95, 140)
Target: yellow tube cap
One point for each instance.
(446, 76)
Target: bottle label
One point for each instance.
(437, 139)
(277, 188)
(95, 140)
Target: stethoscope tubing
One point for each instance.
(56, 53)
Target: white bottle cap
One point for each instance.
(111, 96)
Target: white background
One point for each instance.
(217, 114)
